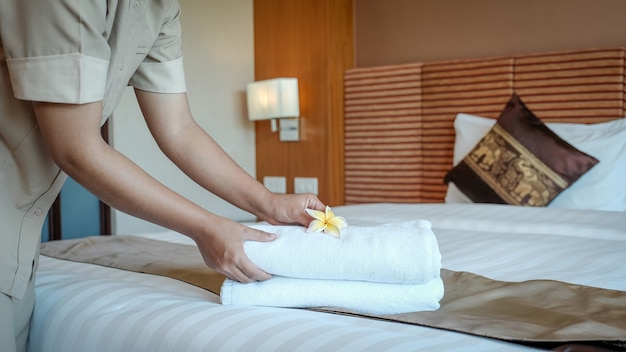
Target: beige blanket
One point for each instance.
(538, 312)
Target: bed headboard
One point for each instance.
(399, 133)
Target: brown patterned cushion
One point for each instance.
(519, 161)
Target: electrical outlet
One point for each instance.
(276, 184)
(305, 185)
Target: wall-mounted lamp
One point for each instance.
(276, 99)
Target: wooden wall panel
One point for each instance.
(311, 40)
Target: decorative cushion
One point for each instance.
(520, 161)
(601, 188)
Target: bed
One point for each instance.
(407, 127)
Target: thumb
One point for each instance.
(260, 236)
(312, 202)
(315, 203)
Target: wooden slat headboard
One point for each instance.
(399, 133)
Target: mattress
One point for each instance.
(85, 307)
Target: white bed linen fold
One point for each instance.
(512, 243)
(495, 218)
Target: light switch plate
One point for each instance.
(305, 185)
(276, 184)
(289, 129)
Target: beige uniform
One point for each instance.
(67, 51)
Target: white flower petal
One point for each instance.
(338, 221)
(332, 230)
(316, 226)
(316, 214)
(329, 213)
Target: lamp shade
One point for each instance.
(273, 98)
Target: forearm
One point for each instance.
(120, 183)
(80, 151)
(199, 156)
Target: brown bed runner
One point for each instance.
(534, 312)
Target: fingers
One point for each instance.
(222, 248)
(242, 268)
(310, 202)
(290, 209)
(244, 271)
(259, 236)
(249, 271)
(248, 274)
(314, 203)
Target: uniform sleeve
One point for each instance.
(162, 70)
(55, 50)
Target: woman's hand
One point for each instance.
(222, 250)
(290, 209)
(222, 245)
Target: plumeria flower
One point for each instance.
(326, 221)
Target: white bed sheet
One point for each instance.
(82, 307)
(512, 243)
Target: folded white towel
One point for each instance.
(405, 253)
(358, 296)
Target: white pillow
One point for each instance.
(601, 188)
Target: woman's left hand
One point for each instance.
(290, 209)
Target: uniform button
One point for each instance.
(38, 211)
(121, 67)
(136, 4)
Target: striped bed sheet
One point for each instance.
(84, 307)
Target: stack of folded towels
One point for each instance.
(386, 269)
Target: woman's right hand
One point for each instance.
(222, 249)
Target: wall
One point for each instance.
(219, 62)
(403, 31)
(311, 40)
